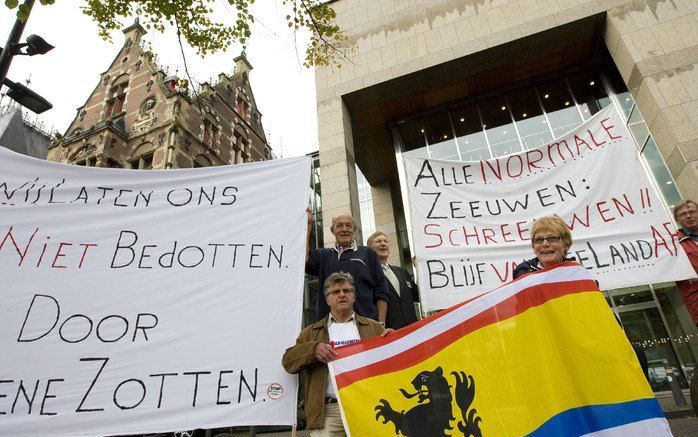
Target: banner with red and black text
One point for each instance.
(148, 301)
(471, 221)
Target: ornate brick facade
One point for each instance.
(137, 117)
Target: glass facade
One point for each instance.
(653, 316)
(315, 239)
(368, 222)
(505, 123)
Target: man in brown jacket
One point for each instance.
(315, 347)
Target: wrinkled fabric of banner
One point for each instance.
(542, 356)
(471, 221)
(148, 301)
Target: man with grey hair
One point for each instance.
(402, 290)
(686, 215)
(316, 346)
(347, 256)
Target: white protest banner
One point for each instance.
(148, 301)
(471, 221)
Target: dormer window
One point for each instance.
(170, 85)
(242, 108)
(210, 133)
(115, 99)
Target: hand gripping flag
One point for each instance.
(540, 356)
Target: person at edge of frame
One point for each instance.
(686, 215)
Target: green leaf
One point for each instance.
(23, 12)
(207, 32)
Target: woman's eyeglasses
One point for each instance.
(552, 240)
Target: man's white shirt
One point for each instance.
(341, 334)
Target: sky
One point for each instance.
(284, 90)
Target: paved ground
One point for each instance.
(687, 427)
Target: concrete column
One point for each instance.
(656, 51)
(384, 217)
(337, 165)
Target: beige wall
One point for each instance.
(654, 43)
(337, 168)
(656, 51)
(385, 219)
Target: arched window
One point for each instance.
(143, 156)
(143, 162)
(202, 161)
(240, 146)
(210, 133)
(242, 108)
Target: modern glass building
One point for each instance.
(531, 115)
(476, 80)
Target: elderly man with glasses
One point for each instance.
(316, 346)
(686, 215)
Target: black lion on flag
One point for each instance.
(432, 419)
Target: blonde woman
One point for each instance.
(550, 239)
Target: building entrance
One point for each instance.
(644, 325)
(526, 115)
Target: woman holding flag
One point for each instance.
(550, 239)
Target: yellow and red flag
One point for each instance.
(540, 356)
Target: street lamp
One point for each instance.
(26, 97)
(35, 45)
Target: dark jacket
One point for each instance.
(528, 266)
(401, 306)
(302, 357)
(364, 267)
(531, 265)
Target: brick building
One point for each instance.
(138, 117)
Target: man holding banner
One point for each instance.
(347, 256)
(315, 347)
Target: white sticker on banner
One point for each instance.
(472, 220)
(148, 301)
